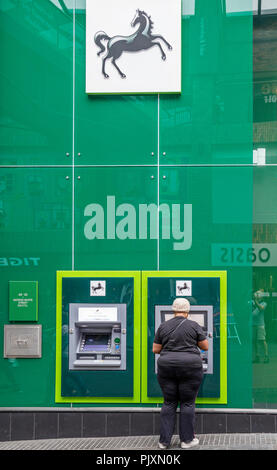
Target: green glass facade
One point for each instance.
(62, 151)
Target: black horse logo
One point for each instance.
(96, 288)
(182, 288)
(141, 39)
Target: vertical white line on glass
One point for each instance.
(158, 179)
(73, 143)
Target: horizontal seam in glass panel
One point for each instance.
(177, 165)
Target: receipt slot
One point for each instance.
(97, 336)
(206, 292)
(201, 314)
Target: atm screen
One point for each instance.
(95, 342)
(167, 316)
(199, 317)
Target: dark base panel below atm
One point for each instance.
(53, 424)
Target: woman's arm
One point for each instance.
(203, 344)
(157, 348)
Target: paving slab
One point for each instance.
(259, 441)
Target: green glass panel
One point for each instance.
(265, 281)
(117, 243)
(265, 87)
(111, 129)
(265, 215)
(35, 232)
(211, 121)
(35, 83)
(221, 238)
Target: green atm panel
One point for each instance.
(98, 337)
(206, 291)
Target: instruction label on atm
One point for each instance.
(97, 314)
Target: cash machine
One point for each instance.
(97, 336)
(206, 292)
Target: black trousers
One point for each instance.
(178, 384)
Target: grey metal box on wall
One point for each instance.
(22, 341)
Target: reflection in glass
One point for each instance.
(188, 7)
(264, 300)
(240, 7)
(268, 6)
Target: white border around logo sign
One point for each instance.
(97, 288)
(183, 288)
(113, 25)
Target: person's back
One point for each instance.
(180, 372)
(179, 341)
(258, 314)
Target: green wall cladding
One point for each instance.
(61, 150)
(36, 83)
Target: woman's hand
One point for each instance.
(157, 348)
(204, 345)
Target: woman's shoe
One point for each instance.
(188, 445)
(162, 446)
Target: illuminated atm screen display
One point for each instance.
(197, 316)
(95, 342)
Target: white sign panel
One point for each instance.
(97, 314)
(133, 46)
(183, 288)
(97, 288)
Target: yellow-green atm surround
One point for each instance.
(141, 334)
(222, 399)
(136, 275)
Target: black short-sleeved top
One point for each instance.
(183, 340)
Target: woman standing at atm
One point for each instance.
(180, 372)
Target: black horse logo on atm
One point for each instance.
(182, 288)
(140, 40)
(98, 287)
